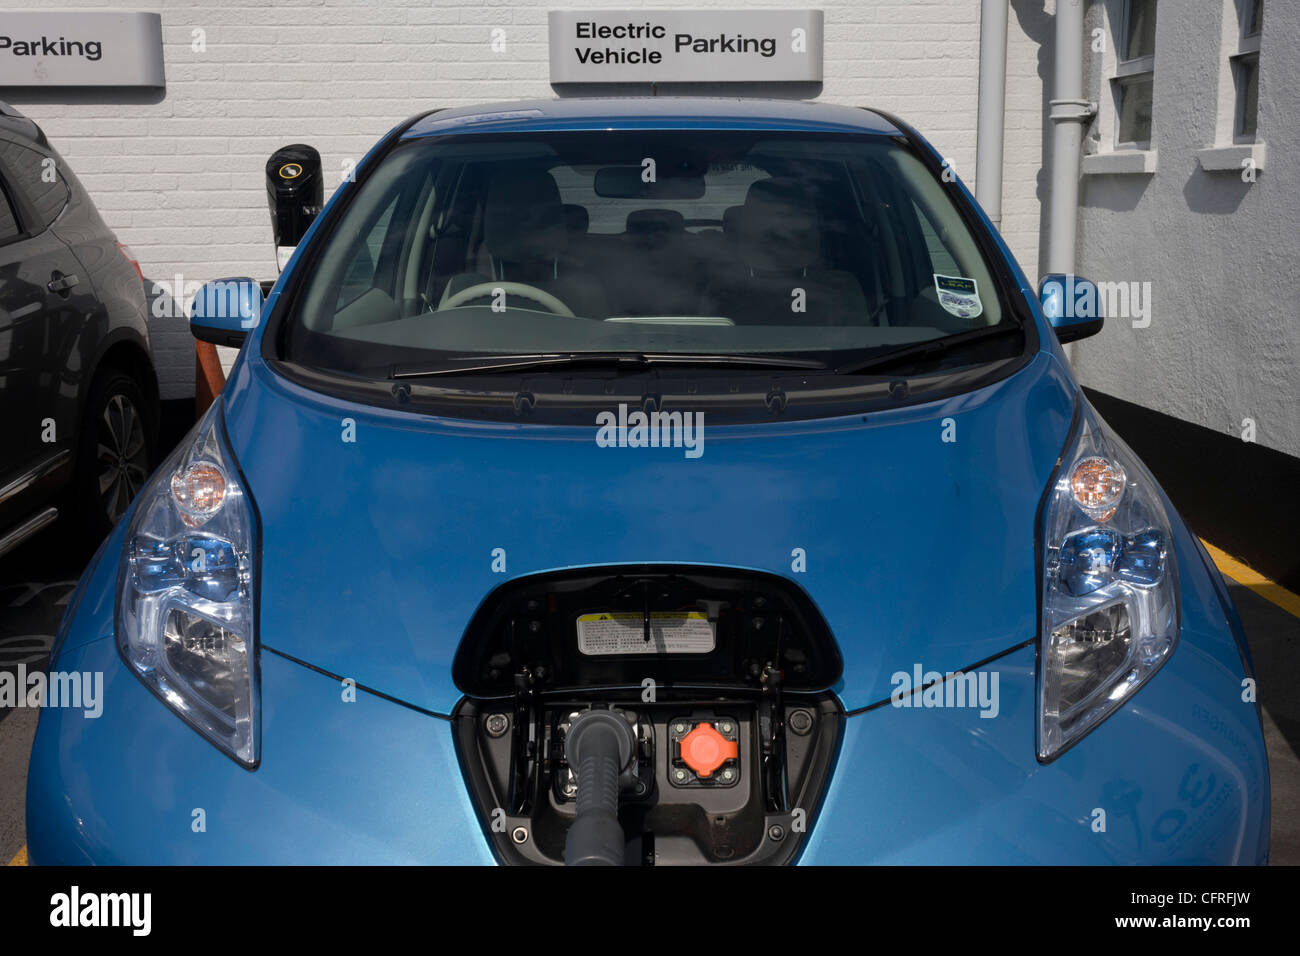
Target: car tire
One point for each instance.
(115, 453)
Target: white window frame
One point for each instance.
(1127, 69)
(1115, 157)
(1234, 151)
(1247, 49)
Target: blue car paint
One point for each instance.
(123, 789)
(1180, 771)
(417, 505)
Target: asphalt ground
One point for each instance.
(37, 579)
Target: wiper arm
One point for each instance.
(542, 361)
(930, 349)
(757, 360)
(519, 362)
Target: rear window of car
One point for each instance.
(39, 179)
(701, 241)
(8, 222)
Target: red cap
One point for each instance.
(704, 750)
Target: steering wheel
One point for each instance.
(524, 291)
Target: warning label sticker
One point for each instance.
(671, 632)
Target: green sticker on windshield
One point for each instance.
(959, 296)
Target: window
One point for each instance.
(747, 242)
(941, 259)
(1237, 147)
(1245, 70)
(1140, 30)
(725, 188)
(9, 230)
(1255, 20)
(1134, 80)
(38, 177)
(361, 274)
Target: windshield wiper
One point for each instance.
(929, 349)
(542, 361)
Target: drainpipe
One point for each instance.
(989, 122)
(1069, 113)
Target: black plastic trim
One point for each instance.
(362, 687)
(1079, 330)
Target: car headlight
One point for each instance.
(185, 612)
(1110, 587)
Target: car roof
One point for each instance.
(653, 112)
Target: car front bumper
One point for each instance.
(1178, 775)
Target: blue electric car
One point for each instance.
(652, 481)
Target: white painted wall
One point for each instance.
(1220, 254)
(179, 175)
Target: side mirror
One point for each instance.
(1072, 305)
(295, 193)
(225, 311)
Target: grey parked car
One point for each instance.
(78, 392)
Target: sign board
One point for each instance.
(686, 46)
(81, 49)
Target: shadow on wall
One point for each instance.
(1216, 193)
(194, 369)
(1040, 28)
(168, 317)
(170, 338)
(180, 369)
(64, 96)
(784, 91)
(158, 296)
(1120, 193)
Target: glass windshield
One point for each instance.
(703, 242)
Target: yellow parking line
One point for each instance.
(20, 859)
(1252, 579)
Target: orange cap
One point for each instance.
(704, 750)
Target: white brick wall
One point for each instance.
(180, 177)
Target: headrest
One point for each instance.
(576, 219)
(778, 226)
(523, 217)
(731, 220)
(647, 221)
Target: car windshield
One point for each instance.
(755, 246)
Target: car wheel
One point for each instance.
(115, 454)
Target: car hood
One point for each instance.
(376, 552)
